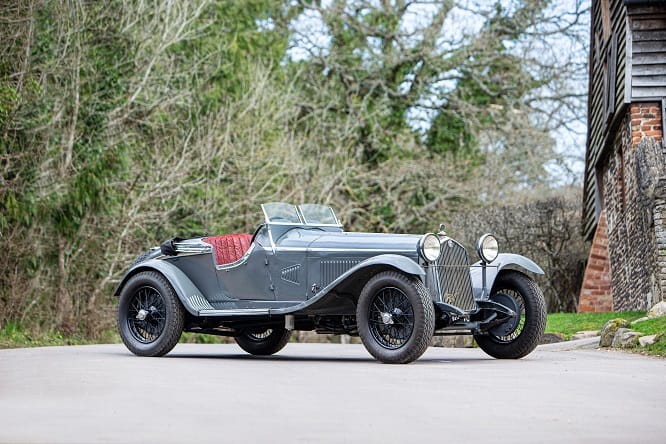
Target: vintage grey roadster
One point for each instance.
(301, 271)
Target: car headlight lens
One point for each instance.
(430, 247)
(487, 248)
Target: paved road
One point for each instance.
(328, 393)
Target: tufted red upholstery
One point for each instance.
(229, 247)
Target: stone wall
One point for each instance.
(659, 215)
(635, 210)
(650, 176)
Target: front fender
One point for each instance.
(183, 286)
(352, 282)
(503, 261)
(372, 266)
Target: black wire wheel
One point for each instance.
(391, 318)
(518, 336)
(146, 317)
(150, 316)
(396, 318)
(263, 341)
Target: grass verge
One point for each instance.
(655, 326)
(14, 336)
(570, 323)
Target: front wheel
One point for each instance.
(263, 341)
(395, 317)
(516, 337)
(150, 316)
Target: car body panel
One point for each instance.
(503, 261)
(188, 293)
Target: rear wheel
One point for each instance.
(395, 317)
(518, 336)
(150, 316)
(263, 341)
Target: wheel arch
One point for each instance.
(504, 262)
(181, 284)
(353, 280)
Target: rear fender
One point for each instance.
(183, 286)
(504, 261)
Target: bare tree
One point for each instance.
(485, 81)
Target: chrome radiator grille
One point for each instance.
(449, 279)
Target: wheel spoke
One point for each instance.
(150, 328)
(393, 301)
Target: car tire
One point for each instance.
(509, 341)
(263, 342)
(150, 315)
(395, 317)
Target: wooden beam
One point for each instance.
(648, 47)
(629, 62)
(648, 70)
(651, 35)
(651, 92)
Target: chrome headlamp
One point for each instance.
(430, 247)
(487, 248)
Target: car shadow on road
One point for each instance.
(203, 353)
(319, 358)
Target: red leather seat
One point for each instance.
(229, 247)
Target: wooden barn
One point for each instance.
(624, 200)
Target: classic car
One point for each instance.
(301, 271)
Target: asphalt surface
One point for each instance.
(329, 393)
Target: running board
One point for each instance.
(236, 312)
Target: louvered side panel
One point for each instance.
(332, 269)
(290, 274)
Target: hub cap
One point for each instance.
(511, 329)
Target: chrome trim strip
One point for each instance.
(188, 247)
(341, 250)
(235, 312)
(270, 238)
(239, 262)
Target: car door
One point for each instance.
(250, 279)
(288, 273)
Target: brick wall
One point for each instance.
(595, 294)
(645, 121)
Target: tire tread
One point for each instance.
(535, 309)
(172, 330)
(423, 331)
